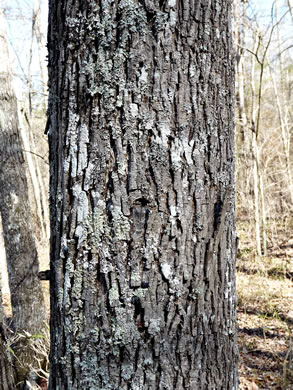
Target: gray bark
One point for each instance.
(6, 371)
(22, 259)
(141, 106)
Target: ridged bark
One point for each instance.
(141, 140)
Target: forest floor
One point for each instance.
(265, 315)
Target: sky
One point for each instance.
(19, 21)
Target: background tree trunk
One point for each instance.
(6, 371)
(26, 132)
(141, 113)
(22, 259)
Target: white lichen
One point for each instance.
(121, 225)
(14, 198)
(166, 270)
(83, 135)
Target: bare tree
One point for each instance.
(265, 183)
(141, 114)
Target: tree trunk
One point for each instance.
(290, 5)
(41, 198)
(255, 152)
(141, 107)
(242, 131)
(6, 371)
(22, 259)
(283, 104)
(42, 49)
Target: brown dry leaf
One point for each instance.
(290, 314)
(248, 385)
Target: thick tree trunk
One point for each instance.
(142, 195)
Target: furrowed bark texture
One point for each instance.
(22, 259)
(142, 195)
